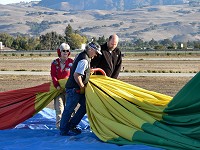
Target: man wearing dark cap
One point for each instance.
(75, 90)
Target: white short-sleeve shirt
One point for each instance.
(82, 66)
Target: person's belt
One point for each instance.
(78, 91)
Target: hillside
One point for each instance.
(176, 22)
(105, 4)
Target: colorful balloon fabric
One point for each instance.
(119, 112)
(123, 114)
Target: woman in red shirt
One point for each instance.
(60, 69)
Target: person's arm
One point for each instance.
(80, 69)
(117, 67)
(54, 76)
(78, 80)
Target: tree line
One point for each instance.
(51, 41)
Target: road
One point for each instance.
(135, 58)
(121, 74)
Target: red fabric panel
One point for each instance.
(18, 105)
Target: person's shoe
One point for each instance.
(75, 130)
(64, 134)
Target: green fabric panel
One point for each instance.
(121, 141)
(170, 136)
(161, 142)
(192, 131)
(187, 100)
(160, 136)
(183, 112)
(182, 120)
(188, 125)
(163, 136)
(175, 126)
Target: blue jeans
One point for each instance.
(72, 99)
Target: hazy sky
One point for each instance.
(14, 1)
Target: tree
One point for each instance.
(51, 41)
(73, 38)
(33, 43)
(153, 43)
(167, 42)
(139, 43)
(6, 39)
(101, 40)
(20, 43)
(159, 47)
(196, 44)
(78, 40)
(68, 32)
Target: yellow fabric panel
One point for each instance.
(97, 113)
(131, 92)
(113, 105)
(44, 98)
(148, 101)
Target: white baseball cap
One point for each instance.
(95, 46)
(64, 46)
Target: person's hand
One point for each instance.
(91, 71)
(58, 88)
(82, 90)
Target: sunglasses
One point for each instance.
(65, 51)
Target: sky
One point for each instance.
(4, 2)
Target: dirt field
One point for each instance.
(133, 64)
(164, 85)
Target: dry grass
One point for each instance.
(165, 85)
(138, 64)
(13, 82)
(183, 66)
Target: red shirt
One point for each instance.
(58, 73)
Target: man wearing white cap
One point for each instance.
(75, 90)
(60, 69)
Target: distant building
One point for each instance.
(83, 46)
(1, 46)
(182, 45)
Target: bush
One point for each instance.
(126, 70)
(3, 69)
(20, 70)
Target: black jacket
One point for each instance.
(109, 62)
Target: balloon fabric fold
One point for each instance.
(122, 113)
(17, 106)
(119, 112)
